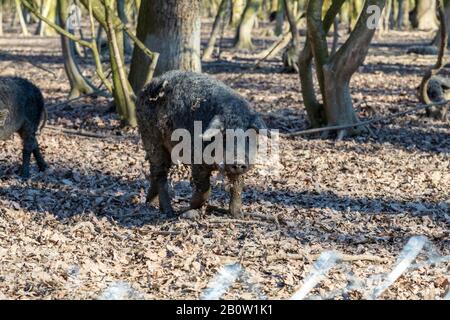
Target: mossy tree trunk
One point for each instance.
(335, 71)
(173, 32)
(21, 17)
(215, 33)
(121, 10)
(122, 91)
(243, 38)
(237, 7)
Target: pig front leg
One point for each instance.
(159, 171)
(237, 184)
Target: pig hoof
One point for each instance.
(24, 173)
(168, 212)
(43, 167)
(236, 214)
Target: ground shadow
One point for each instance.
(66, 193)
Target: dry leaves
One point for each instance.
(82, 230)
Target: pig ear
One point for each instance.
(215, 126)
(257, 124)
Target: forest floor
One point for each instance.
(82, 229)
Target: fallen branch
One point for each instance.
(241, 221)
(95, 93)
(79, 133)
(364, 123)
(260, 216)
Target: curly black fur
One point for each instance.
(21, 111)
(174, 101)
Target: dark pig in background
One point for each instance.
(22, 110)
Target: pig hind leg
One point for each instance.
(202, 188)
(30, 146)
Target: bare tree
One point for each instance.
(78, 83)
(23, 24)
(220, 19)
(334, 71)
(430, 83)
(243, 39)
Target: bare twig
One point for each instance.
(363, 123)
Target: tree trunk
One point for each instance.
(78, 83)
(220, 18)
(279, 22)
(123, 16)
(437, 39)
(243, 39)
(23, 24)
(290, 56)
(174, 32)
(104, 13)
(403, 15)
(425, 15)
(333, 72)
(237, 7)
(384, 24)
(430, 81)
(1, 18)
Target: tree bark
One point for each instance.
(432, 72)
(174, 32)
(243, 38)
(1, 18)
(220, 18)
(290, 56)
(334, 72)
(78, 83)
(237, 7)
(23, 24)
(425, 15)
(437, 39)
(123, 16)
(279, 19)
(403, 15)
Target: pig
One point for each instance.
(176, 100)
(22, 110)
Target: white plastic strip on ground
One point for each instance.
(324, 263)
(406, 257)
(447, 296)
(120, 290)
(222, 281)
